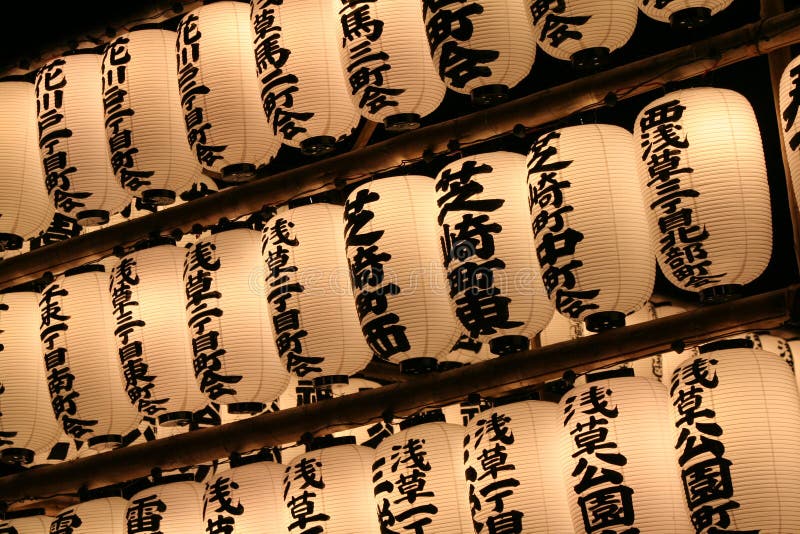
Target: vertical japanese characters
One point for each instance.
(169, 507)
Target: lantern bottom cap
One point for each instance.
(720, 294)
(590, 59)
(92, 217)
(318, 145)
(246, 407)
(504, 345)
(418, 366)
(327, 380)
(489, 95)
(690, 18)
(158, 197)
(239, 172)
(10, 241)
(446, 366)
(16, 455)
(175, 419)
(105, 443)
(600, 322)
(402, 122)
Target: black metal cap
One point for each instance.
(609, 373)
(430, 416)
(158, 197)
(10, 241)
(109, 441)
(329, 380)
(230, 225)
(724, 344)
(690, 18)
(720, 294)
(402, 122)
(16, 456)
(28, 512)
(246, 407)
(88, 268)
(489, 95)
(600, 322)
(318, 145)
(147, 26)
(239, 172)
(505, 345)
(590, 60)
(154, 241)
(144, 483)
(266, 454)
(323, 442)
(175, 419)
(92, 217)
(418, 366)
(114, 490)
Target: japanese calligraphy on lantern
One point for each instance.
(553, 26)
(66, 522)
(302, 484)
(219, 508)
(61, 227)
(60, 379)
(145, 514)
(204, 320)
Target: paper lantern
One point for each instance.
(27, 423)
(461, 413)
(154, 345)
(36, 524)
(789, 101)
(150, 153)
(512, 470)
(87, 387)
(484, 228)
(396, 267)
(683, 14)
(418, 478)
(704, 180)
(763, 340)
(235, 359)
(482, 47)
(225, 124)
(617, 458)
(308, 289)
(388, 64)
(72, 139)
(329, 489)
(305, 95)
(247, 499)
(167, 508)
(583, 31)
(103, 515)
(560, 328)
(589, 223)
(25, 209)
(464, 352)
(736, 419)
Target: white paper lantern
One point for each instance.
(146, 134)
(169, 508)
(583, 31)
(87, 387)
(512, 469)
(400, 283)
(304, 91)
(330, 490)
(482, 47)
(617, 458)
(27, 423)
(704, 181)
(418, 479)
(685, 14)
(72, 139)
(25, 209)
(789, 100)
(154, 345)
(484, 227)
(763, 340)
(387, 62)
(104, 515)
(225, 123)
(560, 328)
(37, 524)
(309, 293)
(234, 354)
(464, 352)
(736, 418)
(589, 223)
(247, 499)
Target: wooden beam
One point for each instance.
(489, 378)
(530, 111)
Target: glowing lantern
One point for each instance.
(789, 100)
(584, 31)
(616, 447)
(248, 499)
(484, 227)
(709, 206)
(512, 470)
(34, 524)
(146, 133)
(736, 418)
(154, 345)
(308, 289)
(683, 14)
(393, 250)
(101, 515)
(27, 423)
(87, 387)
(225, 124)
(589, 223)
(235, 359)
(481, 47)
(399, 84)
(431, 455)
(25, 209)
(763, 340)
(305, 95)
(72, 139)
(328, 489)
(560, 328)
(173, 505)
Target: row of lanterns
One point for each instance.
(237, 80)
(714, 450)
(405, 270)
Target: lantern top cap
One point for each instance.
(114, 490)
(88, 268)
(430, 416)
(17, 514)
(144, 483)
(327, 441)
(153, 241)
(725, 344)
